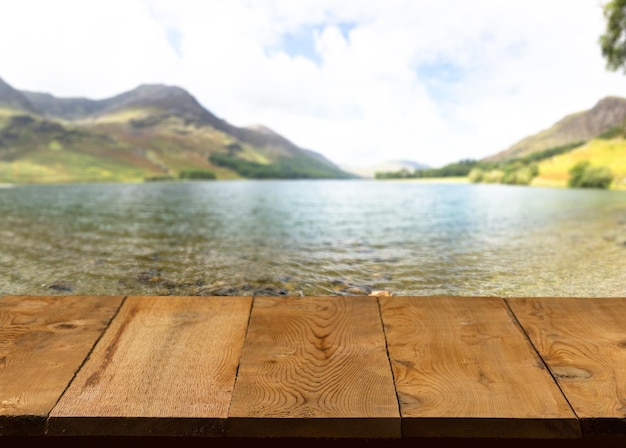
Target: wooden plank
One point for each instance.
(43, 342)
(166, 366)
(583, 342)
(464, 368)
(314, 367)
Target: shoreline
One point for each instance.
(540, 183)
(430, 180)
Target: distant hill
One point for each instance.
(11, 99)
(384, 167)
(596, 136)
(153, 132)
(578, 127)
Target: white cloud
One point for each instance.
(431, 80)
(83, 48)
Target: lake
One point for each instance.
(311, 238)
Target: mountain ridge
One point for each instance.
(171, 100)
(592, 141)
(155, 129)
(10, 97)
(573, 128)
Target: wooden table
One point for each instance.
(397, 370)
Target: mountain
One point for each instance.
(62, 108)
(14, 99)
(595, 138)
(152, 132)
(578, 127)
(385, 167)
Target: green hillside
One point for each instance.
(151, 133)
(598, 152)
(595, 139)
(580, 126)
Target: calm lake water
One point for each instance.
(311, 238)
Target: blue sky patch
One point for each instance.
(175, 39)
(438, 75)
(302, 42)
(441, 70)
(345, 28)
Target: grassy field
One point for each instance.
(554, 172)
(66, 166)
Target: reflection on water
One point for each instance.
(311, 238)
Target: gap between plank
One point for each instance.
(547, 367)
(115, 314)
(245, 338)
(393, 376)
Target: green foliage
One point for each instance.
(520, 174)
(196, 175)
(597, 177)
(247, 168)
(517, 172)
(476, 175)
(520, 171)
(493, 176)
(283, 168)
(233, 148)
(547, 153)
(613, 41)
(456, 169)
(163, 178)
(54, 145)
(400, 174)
(584, 175)
(615, 132)
(576, 173)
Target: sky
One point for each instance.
(359, 81)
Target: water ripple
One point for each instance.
(311, 238)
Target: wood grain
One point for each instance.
(314, 367)
(583, 342)
(464, 368)
(43, 342)
(166, 366)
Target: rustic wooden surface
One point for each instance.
(166, 365)
(43, 342)
(313, 367)
(317, 367)
(463, 367)
(583, 342)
